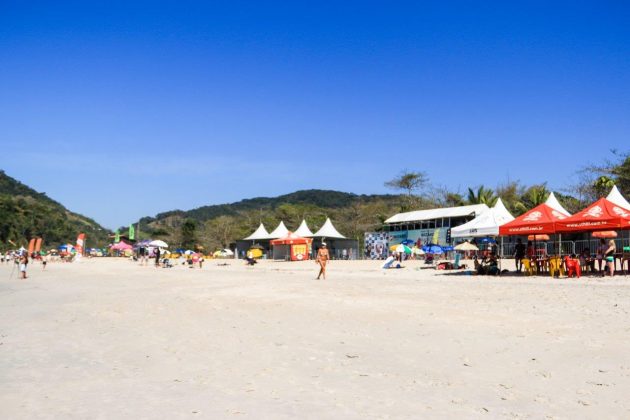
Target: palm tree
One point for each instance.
(483, 196)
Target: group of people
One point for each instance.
(22, 259)
(605, 256)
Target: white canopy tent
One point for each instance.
(303, 230)
(328, 231)
(280, 232)
(486, 224)
(413, 216)
(615, 197)
(259, 234)
(553, 202)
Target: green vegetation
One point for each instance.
(26, 213)
(220, 225)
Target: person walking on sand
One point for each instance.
(23, 265)
(157, 257)
(322, 260)
(610, 257)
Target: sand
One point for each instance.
(106, 338)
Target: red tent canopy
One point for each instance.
(540, 219)
(291, 239)
(601, 215)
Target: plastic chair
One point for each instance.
(555, 265)
(573, 267)
(527, 266)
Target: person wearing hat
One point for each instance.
(322, 259)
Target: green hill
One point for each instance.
(220, 225)
(26, 213)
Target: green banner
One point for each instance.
(132, 233)
(117, 237)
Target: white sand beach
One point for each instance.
(106, 338)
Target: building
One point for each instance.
(419, 227)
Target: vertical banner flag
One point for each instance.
(31, 246)
(132, 232)
(80, 243)
(38, 245)
(117, 237)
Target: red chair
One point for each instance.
(573, 267)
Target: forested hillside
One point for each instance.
(26, 213)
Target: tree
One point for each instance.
(511, 193)
(222, 231)
(188, 234)
(602, 185)
(535, 196)
(410, 182)
(595, 181)
(482, 196)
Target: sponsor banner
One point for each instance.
(80, 242)
(376, 245)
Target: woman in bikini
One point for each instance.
(610, 257)
(322, 259)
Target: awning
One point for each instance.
(486, 224)
(540, 219)
(601, 215)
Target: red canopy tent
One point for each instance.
(601, 215)
(540, 219)
(291, 246)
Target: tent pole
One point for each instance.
(560, 244)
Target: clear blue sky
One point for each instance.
(123, 110)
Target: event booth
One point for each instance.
(291, 248)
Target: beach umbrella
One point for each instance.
(605, 234)
(158, 243)
(403, 248)
(538, 237)
(466, 246)
(256, 246)
(433, 249)
(417, 251)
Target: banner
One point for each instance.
(31, 246)
(132, 233)
(80, 243)
(38, 245)
(376, 245)
(117, 237)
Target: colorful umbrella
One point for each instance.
(605, 234)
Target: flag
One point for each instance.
(117, 237)
(31, 246)
(132, 233)
(80, 242)
(38, 245)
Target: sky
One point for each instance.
(121, 110)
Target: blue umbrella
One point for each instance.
(488, 240)
(433, 249)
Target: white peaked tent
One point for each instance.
(260, 233)
(616, 198)
(280, 232)
(328, 231)
(553, 202)
(303, 230)
(486, 224)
